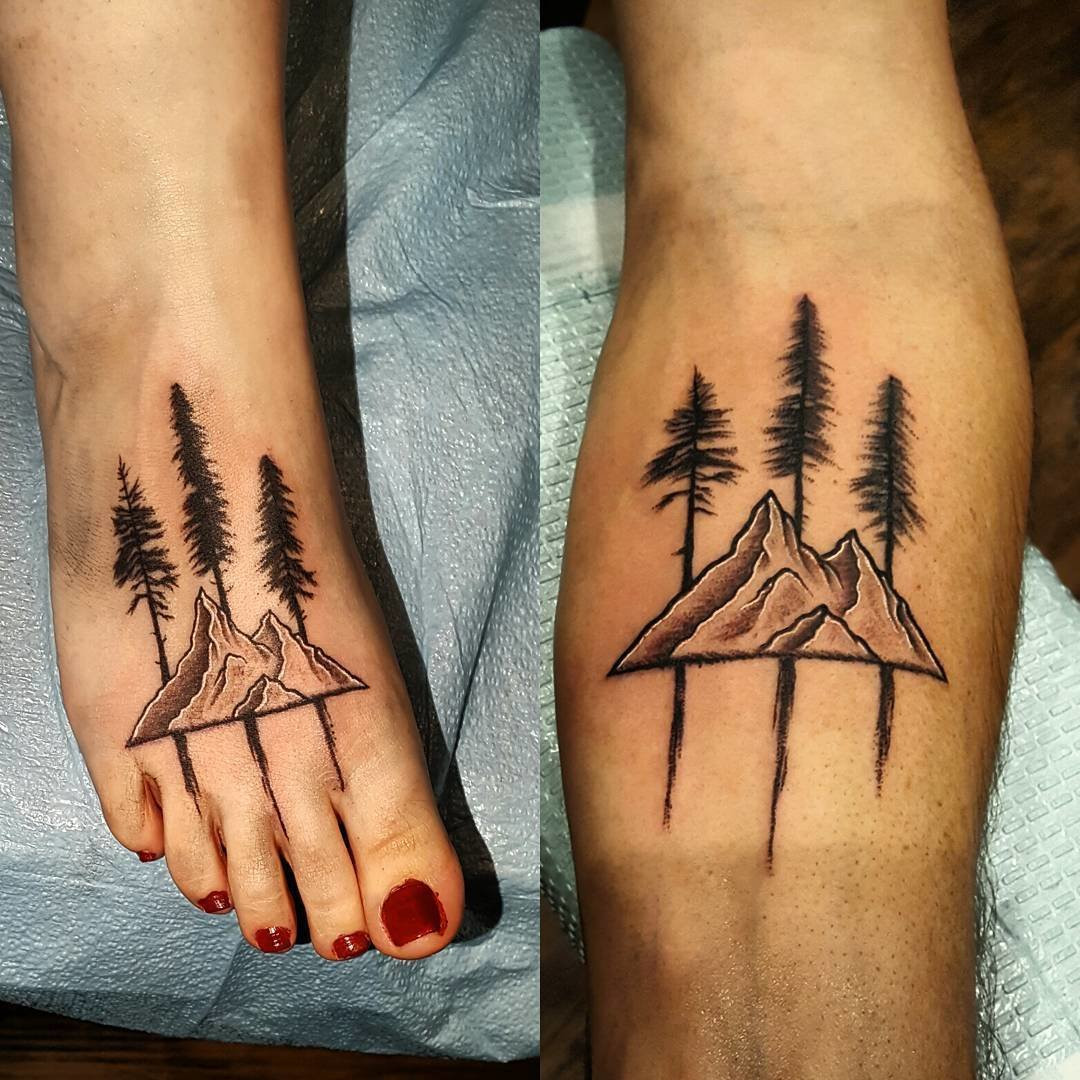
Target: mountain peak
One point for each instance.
(227, 674)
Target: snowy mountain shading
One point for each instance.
(227, 675)
(772, 595)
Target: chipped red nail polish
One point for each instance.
(349, 945)
(274, 939)
(216, 902)
(412, 910)
(148, 856)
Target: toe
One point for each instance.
(130, 807)
(256, 880)
(194, 856)
(327, 881)
(410, 879)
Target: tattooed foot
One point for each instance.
(228, 676)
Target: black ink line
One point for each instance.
(187, 769)
(254, 741)
(886, 704)
(785, 700)
(206, 524)
(675, 738)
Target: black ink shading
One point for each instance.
(142, 560)
(799, 443)
(773, 596)
(699, 454)
(886, 491)
(206, 524)
(285, 574)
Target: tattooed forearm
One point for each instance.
(772, 595)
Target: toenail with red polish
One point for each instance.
(274, 939)
(215, 903)
(148, 856)
(412, 910)
(349, 945)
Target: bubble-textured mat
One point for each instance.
(1034, 842)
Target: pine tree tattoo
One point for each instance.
(699, 454)
(206, 523)
(772, 595)
(142, 560)
(285, 574)
(886, 493)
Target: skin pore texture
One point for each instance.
(776, 152)
(157, 266)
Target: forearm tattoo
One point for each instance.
(772, 595)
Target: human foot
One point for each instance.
(202, 570)
(249, 700)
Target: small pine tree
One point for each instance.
(285, 574)
(206, 523)
(700, 454)
(803, 417)
(885, 488)
(142, 561)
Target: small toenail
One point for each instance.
(412, 910)
(349, 945)
(215, 903)
(274, 939)
(148, 856)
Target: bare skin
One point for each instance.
(155, 248)
(825, 153)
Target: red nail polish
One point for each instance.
(349, 945)
(411, 911)
(148, 856)
(274, 939)
(215, 903)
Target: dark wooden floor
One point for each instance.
(40, 1046)
(1018, 63)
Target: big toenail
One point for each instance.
(216, 902)
(411, 911)
(349, 945)
(274, 939)
(148, 856)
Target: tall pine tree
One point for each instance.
(886, 493)
(798, 444)
(799, 431)
(142, 561)
(206, 523)
(699, 455)
(285, 574)
(885, 487)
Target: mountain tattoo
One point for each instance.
(225, 676)
(772, 595)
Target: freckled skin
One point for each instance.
(854, 955)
